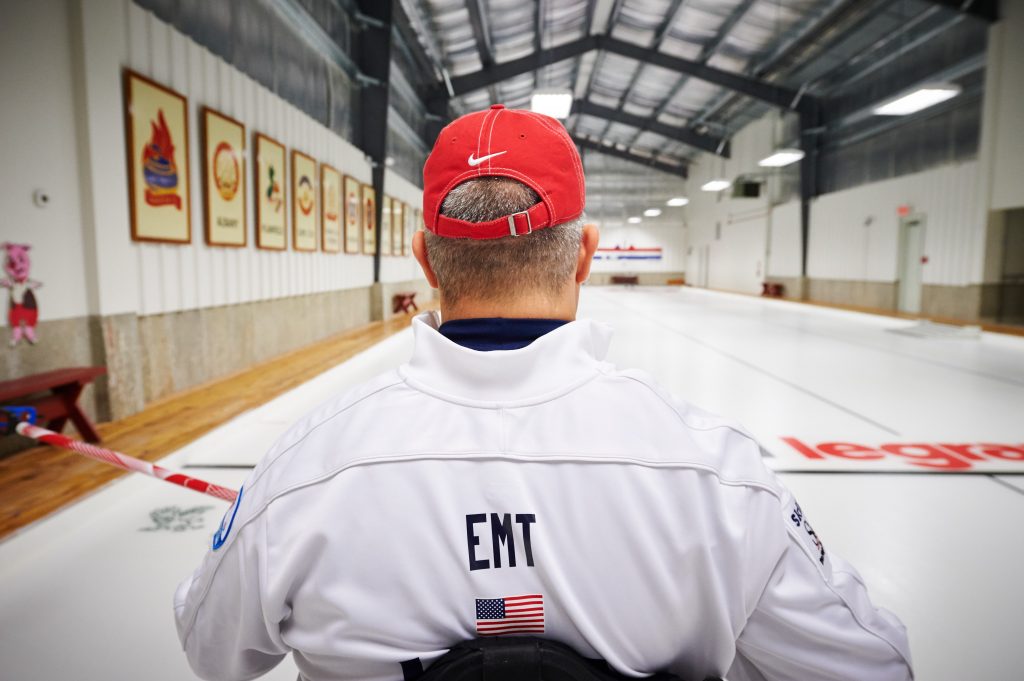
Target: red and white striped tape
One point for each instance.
(128, 463)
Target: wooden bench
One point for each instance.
(54, 395)
(629, 280)
(403, 302)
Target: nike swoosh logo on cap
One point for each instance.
(477, 161)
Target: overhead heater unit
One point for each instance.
(746, 189)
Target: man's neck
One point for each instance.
(528, 307)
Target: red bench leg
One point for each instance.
(69, 396)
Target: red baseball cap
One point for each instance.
(529, 147)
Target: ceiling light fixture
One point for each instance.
(715, 185)
(677, 201)
(781, 157)
(918, 99)
(652, 212)
(554, 103)
(634, 220)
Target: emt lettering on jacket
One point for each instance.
(503, 539)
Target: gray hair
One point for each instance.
(495, 269)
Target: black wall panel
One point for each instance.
(253, 38)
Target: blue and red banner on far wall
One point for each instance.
(629, 253)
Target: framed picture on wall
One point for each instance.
(369, 220)
(271, 194)
(353, 215)
(397, 227)
(417, 224)
(385, 226)
(156, 123)
(223, 179)
(410, 229)
(331, 212)
(303, 202)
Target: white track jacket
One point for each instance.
(534, 491)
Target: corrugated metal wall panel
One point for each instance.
(173, 277)
(251, 36)
(855, 233)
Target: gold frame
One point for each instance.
(257, 147)
(324, 170)
(296, 154)
(358, 225)
(127, 76)
(204, 115)
(369, 231)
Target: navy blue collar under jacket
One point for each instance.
(497, 333)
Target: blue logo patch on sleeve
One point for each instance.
(221, 535)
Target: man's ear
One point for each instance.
(419, 249)
(588, 246)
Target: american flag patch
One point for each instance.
(510, 615)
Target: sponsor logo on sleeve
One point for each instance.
(226, 523)
(806, 533)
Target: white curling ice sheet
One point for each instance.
(818, 375)
(87, 592)
(795, 376)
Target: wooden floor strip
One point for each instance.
(39, 481)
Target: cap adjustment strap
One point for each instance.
(513, 223)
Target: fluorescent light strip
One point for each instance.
(677, 201)
(782, 157)
(652, 212)
(554, 104)
(716, 185)
(635, 220)
(921, 98)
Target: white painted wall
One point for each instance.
(38, 151)
(1003, 119)
(736, 240)
(784, 240)
(157, 278)
(670, 237)
(854, 233)
(733, 231)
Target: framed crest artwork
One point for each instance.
(271, 194)
(385, 226)
(397, 227)
(353, 215)
(330, 207)
(223, 179)
(410, 229)
(369, 220)
(156, 122)
(303, 202)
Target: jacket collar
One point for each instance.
(552, 365)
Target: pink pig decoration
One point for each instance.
(24, 310)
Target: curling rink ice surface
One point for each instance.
(904, 450)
